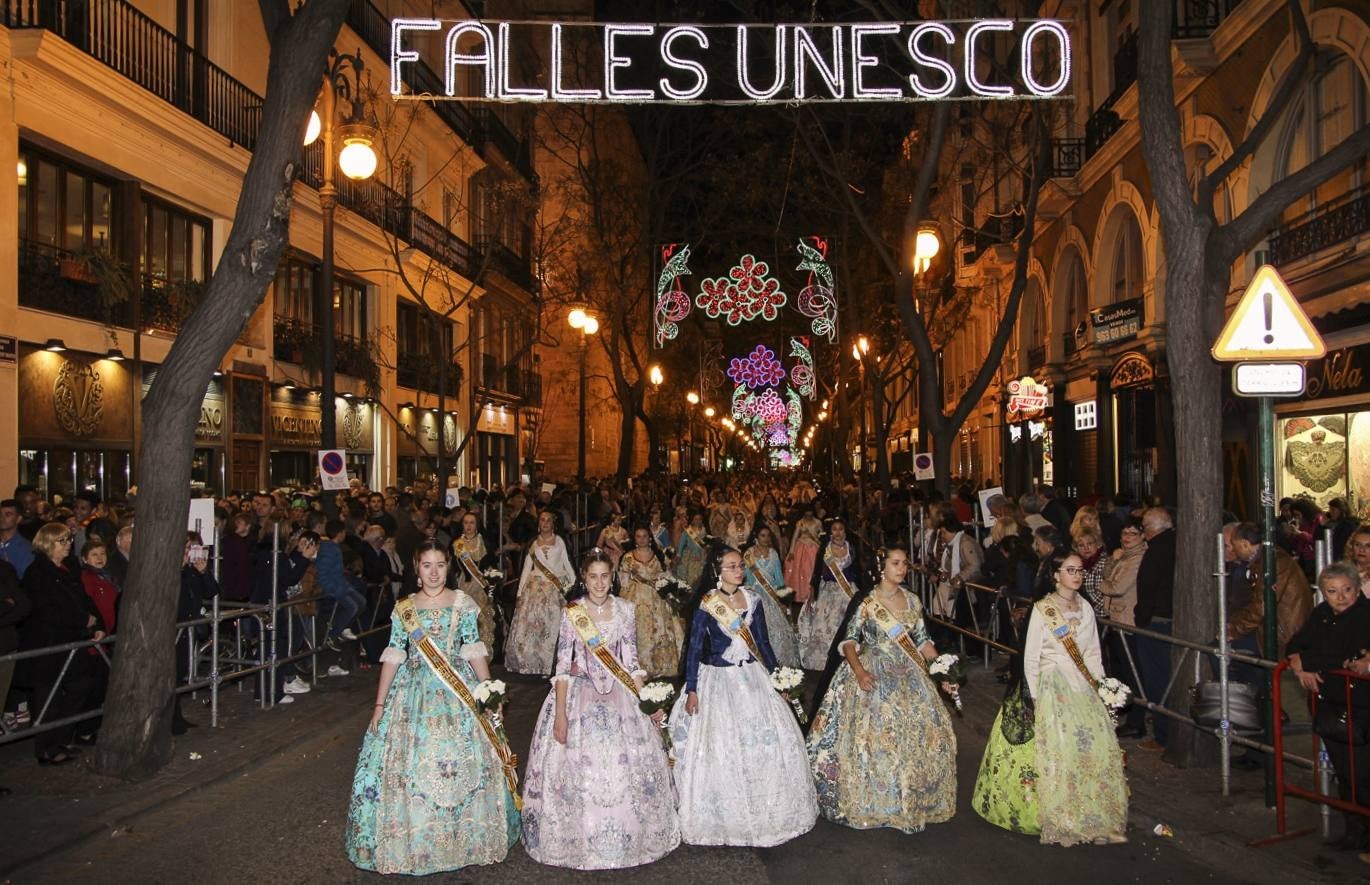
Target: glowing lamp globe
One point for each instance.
(926, 245)
(357, 160)
(312, 131)
(576, 318)
(591, 325)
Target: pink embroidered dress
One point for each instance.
(604, 799)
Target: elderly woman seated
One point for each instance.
(1336, 637)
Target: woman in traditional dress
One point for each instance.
(1081, 787)
(768, 514)
(660, 634)
(613, 538)
(803, 554)
(691, 550)
(739, 528)
(836, 578)
(741, 771)
(762, 564)
(431, 791)
(661, 532)
(598, 794)
(468, 560)
(547, 576)
(882, 745)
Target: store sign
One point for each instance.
(1027, 398)
(296, 425)
(495, 419)
(1268, 379)
(1087, 415)
(732, 64)
(1117, 322)
(9, 350)
(1132, 369)
(1340, 373)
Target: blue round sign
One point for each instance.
(332, 463)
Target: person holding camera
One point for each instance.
(198, 587)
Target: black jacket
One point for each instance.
(1156, 579)
(1329, 639)
(14, 608)
(61, 613)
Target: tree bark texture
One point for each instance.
(135, 738)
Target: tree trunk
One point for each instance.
(628, 436)
(135, 737)
(943, 441)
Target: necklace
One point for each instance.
(600, 606)
(1067, 604)
(729, 593)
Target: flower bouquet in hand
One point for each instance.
(490, 696)
(654, 698)
(493, 575)
(790, 682)
(949, 673)
(674, 591)
(1115, 695)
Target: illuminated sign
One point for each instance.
(732, 64)
(1027, 398)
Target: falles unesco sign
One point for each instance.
(734, 64)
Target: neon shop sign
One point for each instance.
(731, 64)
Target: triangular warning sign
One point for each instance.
(1268, 324)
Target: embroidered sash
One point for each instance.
(731, 620)
(468, 563)
(838, 575)
(546, 570)
(755, 568)
(1065, 634)
(896, 630)
(590, 635)
(442, 668)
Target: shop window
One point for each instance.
(293, 469)
(1324, 457)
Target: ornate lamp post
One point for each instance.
(344, 81)
(588, 325)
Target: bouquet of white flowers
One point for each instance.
(950, 674)
(490, 696)
(790, 682)
(1115, 695)
(493, 575)
(674, 591)
(656, 697)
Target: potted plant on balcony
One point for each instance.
(99, 268)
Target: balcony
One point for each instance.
(499, 257)
(994, 231)
(518, 151)
(57, 280)
(1067, 157)
(299, 342)
(420, 372)
(1340, 220)
(125, 39)
(1196, 19)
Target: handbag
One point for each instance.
(1243, 711)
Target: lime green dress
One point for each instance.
(1006, 788)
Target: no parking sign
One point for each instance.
(922, 466)
(333, 469)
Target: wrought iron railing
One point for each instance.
(499, 257)
(57, 280)
(418, 372)
(435, 240)
(301, 342)
(1336, 222)
(1067, 156)
(1199, 18)
(122, 37)
(517, 151)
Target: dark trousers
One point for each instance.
(346, 605)
(1341, 754)
(69, 699)
(1153, 660)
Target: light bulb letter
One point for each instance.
(834, 77)
(935, 62)
(484, 59)
(613, 62)
(399, 55)
(860, 61)
(560, 92)
(684, 64)
(1058, 30)
(972, 35)
(744, 81)
(513, 93)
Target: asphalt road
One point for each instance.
(282, 822)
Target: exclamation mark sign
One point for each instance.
(1269, 301)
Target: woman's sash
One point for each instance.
(590, 635)
(896, 630)
(755, 568)
(448, 676)
(1065, 634)
(468, 563)
(546, 570)
(838, 575)
(732, 622)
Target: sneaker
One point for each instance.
(348, 634)
(331, 643)
(286, 699)
(335, 670)
(297, 686)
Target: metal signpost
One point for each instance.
(1267, 336)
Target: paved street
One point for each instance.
(274, 807)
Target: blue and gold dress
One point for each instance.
(430, 794)
(885, 757)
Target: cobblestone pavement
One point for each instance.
(266, 799)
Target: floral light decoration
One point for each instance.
(770, 408)
(760, 368)
(744, 404)
(802, 374)
(672, 302)
(816, 299)
(746, 293)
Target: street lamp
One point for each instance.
(345, 80)
(692, 398)
(654, 374)
(709, 411)
(588, 325)
(927, 242)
